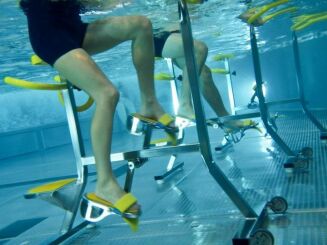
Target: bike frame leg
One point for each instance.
(264, 113)
(173, 85)
(299, 79)
(79, 152)
(230, 87)
(129, 176)
(201, 127)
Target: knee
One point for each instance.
(144, 24)
(107, 97)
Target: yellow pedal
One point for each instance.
(250, 124)
(170, 139)
(49, 187)
(258, 129)
(159, 141)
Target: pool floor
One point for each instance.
(188, 207)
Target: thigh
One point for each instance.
(80, 69)
(173, 47)
(104, 34)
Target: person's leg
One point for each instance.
(105, 34)
(78, 67)
(174, 49)
(211, 93)
(185, 108)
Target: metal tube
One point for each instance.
(75, 130)
(299, 79)
(201, 126)
(173, 85)
(262, 103)
(79, 152)
(230, 87)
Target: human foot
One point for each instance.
(154, 113)
(113, 197)
(122, 207)
(165, 122)
(126, 206)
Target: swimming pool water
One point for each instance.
(214, 22)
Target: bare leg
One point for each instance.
(78, 67)
(139, 30)
(185, 104)
(174, 49)
(211, 93)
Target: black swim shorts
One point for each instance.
(55, 28)
(159, 39)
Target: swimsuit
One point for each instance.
(55, 28)
(159, 39)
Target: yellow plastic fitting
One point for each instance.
(219, 57)
(259, 11)
(36, 60)
(50, 187)
(194, 1)
(33, 85)
(303, 21)
(220, 71)
(163, 76)
(80, 108)
(280, 12)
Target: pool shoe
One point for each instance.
(120, 207)
(162, 123)
(240, 125)
(133, 223)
